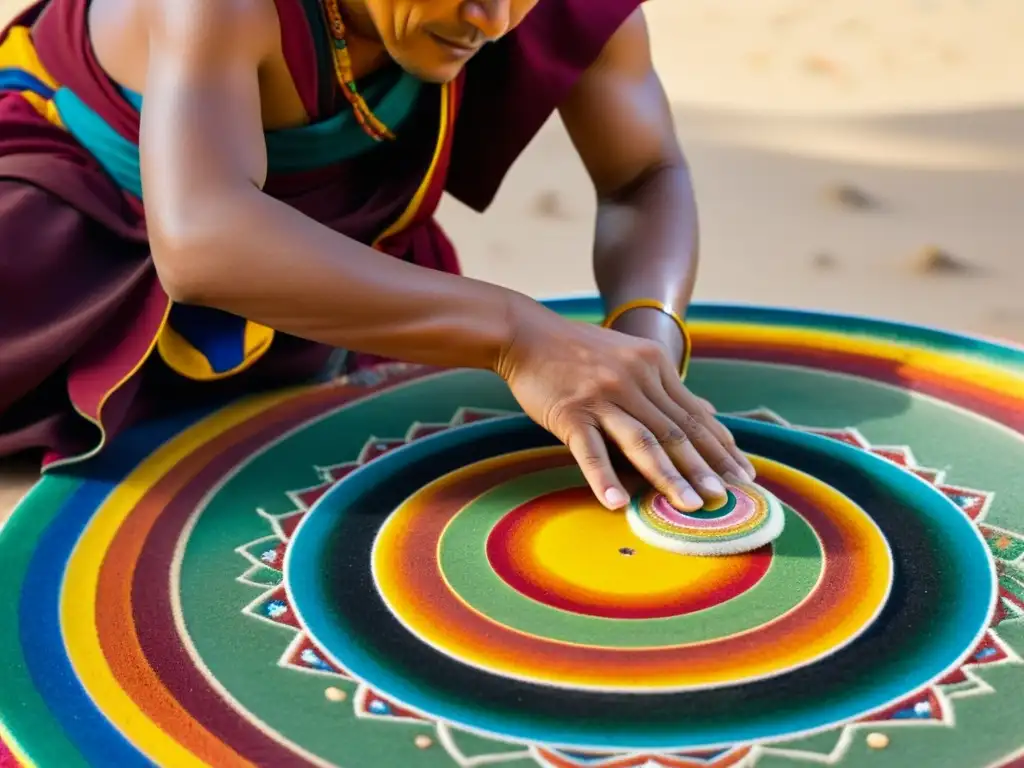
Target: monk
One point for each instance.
(200, 198)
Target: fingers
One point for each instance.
(715, 443)
(669, 435)
(664, 455)
(588, 448)
(707, 405)
(711, 437)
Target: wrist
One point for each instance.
(653, 324)
(656, 321)
(517, 311)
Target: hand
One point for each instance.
(646, 323)
(585, 384)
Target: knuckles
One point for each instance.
(592, 461)
(691, 425)
(603, 386)
(674, 437)
(648, 352)
(644, 440)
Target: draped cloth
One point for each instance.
(84, 321)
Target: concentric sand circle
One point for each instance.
(472, 571)
(470, 649)
(177, 603)
(423, 602)
(563, 550)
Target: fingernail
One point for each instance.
(713, 485)
(615, 498)
(691, 498)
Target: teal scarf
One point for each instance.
(391, 96)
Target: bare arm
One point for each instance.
(646, 239)
(218, 240)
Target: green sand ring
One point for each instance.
(677, 536)
(795, 570)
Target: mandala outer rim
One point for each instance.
(985, 417)
(221, 426)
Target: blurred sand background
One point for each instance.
(850, 155)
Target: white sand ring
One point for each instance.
(769, 530)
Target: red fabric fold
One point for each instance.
(514, 86)
(80, 301)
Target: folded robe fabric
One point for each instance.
(89, 341)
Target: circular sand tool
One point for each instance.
(750, 518)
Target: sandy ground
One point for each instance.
(859, 156)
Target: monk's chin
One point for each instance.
(438, 71)
(435, 75)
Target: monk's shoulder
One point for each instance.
(122, 33)
(252, 21)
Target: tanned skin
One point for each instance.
(207, 67)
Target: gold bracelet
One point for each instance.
(662, 307)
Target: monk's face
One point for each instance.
(433, 39)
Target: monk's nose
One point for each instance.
(490, 17)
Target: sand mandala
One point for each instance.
(402, 570)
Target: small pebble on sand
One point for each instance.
(335, 694)
(423, 742)
(825, 260)
(849, 196)
(878, 740)
(821, 65)
(933, 260)
(549, 205)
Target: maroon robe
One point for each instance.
(80, 302)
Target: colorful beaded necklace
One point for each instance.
(369, 122)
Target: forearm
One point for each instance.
(260, 259)
(219, 241)
(646, 246)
